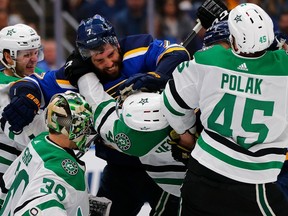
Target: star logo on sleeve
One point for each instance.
(10, 32)
(143, 101)
(238, 18)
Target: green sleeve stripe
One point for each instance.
(168, 181)
(5, 161)
(169, 107)
(100, 108)
(238, 163)
(46, 205)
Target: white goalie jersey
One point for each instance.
(45, 180)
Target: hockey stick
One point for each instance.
(211, 12)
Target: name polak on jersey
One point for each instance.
(241, 84)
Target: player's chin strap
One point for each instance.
(11, 67)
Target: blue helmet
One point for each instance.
(279, 40)
(94, 32)
(217, 32)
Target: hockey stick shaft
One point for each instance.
(215, 11)
(188, 41)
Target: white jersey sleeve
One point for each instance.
(93, 91)
(179, 113)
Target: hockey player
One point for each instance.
(47, 178)
(137, 54)
(114, 62)
(240, 151)
(20, 50)
(139, 121)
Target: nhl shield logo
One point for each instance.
(122, 141)
(69, 166)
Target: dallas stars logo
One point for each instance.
(143, 101)
(70, 166)
(238, 18)
(122, 141)
(10, 32)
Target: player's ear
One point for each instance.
(7, 57)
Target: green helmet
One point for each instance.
(69, 114)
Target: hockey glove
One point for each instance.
(179, 153)
(75, 67)
(21, 112)
(211, 10)
(150, 81)
(99, 206)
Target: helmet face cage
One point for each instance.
(93, 33)
(251, 28)
(141, 112)
(69, 114)
(17, 38)
(216, 33)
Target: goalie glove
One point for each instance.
(150, 81)
(211, 11)
(179, 153)
(99, 206)
(75, 67)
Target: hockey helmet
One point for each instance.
(19, 37)
(217, 32)
(251, 27)
(94, 32)
(141, 112)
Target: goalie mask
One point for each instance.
(19, 38)
(141, 112)
(251, 27)
(93, 33)
(69, 114)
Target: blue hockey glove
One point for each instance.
(76, 67)
(20, 112)
(24, 105)
(150, 81)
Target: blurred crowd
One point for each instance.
(173, 19)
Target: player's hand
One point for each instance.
(75, 67)
(210, 10)
(179, 153)
(150, 81)
(20, 112)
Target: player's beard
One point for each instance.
(113, 72)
